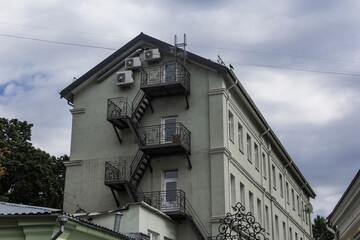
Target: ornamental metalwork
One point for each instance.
(166, 201)
(115, 171)
(117, 108)
(172, 134)
(171, 73)
(240, 225)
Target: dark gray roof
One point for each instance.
(20, 209)
(66, 92)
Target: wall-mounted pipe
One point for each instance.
(62, 221)
(118, 216)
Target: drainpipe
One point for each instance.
(62, 221)
(332, 231)
(118, 216)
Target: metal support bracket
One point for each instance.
(187, 101)
(152, 110)
(188, 158)
(148, 161)
(117, 202)
(117, 134)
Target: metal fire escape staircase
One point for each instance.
(122, 117)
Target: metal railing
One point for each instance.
(169, 73)
(174, 201)
(118, 108)
(174, 133)
(135, 164)
(115, 171)
(137, 100)
(166, 201)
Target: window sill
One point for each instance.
(242, 151)
(250, 161)
(257, 169)
(232, 140)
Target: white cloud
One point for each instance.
(299, 98)
(327, 197)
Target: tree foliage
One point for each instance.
(320, 231)
(31, 175)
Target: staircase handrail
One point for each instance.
(137, 100)
(136, 162)
(190, 211)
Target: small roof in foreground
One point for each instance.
(20, 209)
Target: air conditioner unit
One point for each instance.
(152, 55)
(124, 78)
(132, 63)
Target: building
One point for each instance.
(18, 221)
(346, 214)
(181, 135)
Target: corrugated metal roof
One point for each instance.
(20, 209)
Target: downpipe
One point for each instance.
(62, 221)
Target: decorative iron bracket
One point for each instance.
(240, 225)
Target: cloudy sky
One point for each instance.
(299, 60)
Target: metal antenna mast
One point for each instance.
(179, 45)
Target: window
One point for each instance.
(231, 126)
(242, 194)
(248, 147)
(276, 227)
(233, 190)
(256, 156)
(259, 211)
(281, 185)
(264, 164)
(170, 184)
(306, 218)
(168, 129)
(153, 235)
(251, 202)
(284, 231)
(290, 233)
(302, 210)
(267, 223)
(293, 198)
(296, 236)
(298, 204)
(273, 176)
(287, 192)
(240, 137)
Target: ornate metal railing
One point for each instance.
(240, 225)
(166, 201)
(115, 171)
(169, 73)
(118, 108)
(175, 133)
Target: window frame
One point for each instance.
(231, 126)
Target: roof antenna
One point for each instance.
(220, 61)
(179, 45)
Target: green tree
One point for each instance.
(31, 175)
(320, 231)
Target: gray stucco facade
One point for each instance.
(234, 157)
